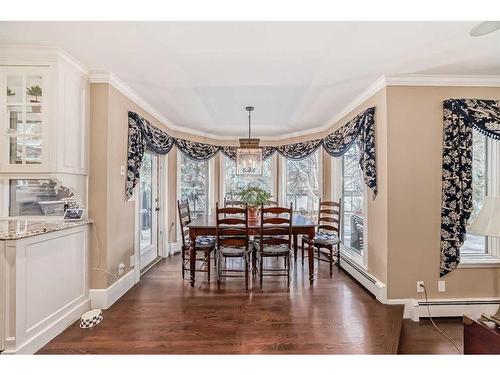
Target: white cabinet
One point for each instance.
(44, 112)
(45, 281)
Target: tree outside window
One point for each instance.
(234, 183)
(352, 200)
(475, 244)
(303, 182)
(194, 184)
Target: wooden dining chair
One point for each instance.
(327, 238)
(203, 244)
(275, 240)
(232, 242)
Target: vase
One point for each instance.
(253, 214)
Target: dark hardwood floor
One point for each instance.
(422, 338)
(163, 314)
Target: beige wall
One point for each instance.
(415, 127)
(403, 220)
(98, 171)
(377, 208)
(114, 217)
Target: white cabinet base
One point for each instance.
(47, 287)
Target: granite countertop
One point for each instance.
(17, 229)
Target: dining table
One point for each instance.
(205, 225)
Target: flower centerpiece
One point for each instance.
(254, 197)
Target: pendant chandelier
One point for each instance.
(249, 154)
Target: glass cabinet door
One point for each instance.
(24, 109)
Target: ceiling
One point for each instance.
(297, 75)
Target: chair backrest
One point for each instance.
(276, 226)
(329, 215)
(184, 218)
(232, 226)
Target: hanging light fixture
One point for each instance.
(249, 154)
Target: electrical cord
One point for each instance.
(434, 324)
(97, 267)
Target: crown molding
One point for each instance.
(38, 56)
(443, 80)
(112, 80)
(380, 83)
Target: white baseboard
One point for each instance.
(374, 286)
(415, 309)
(174, 247)
(59, 325)
(473, 307)
(104, 298)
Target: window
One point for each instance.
(233, 182)
(24, 119)
(485, 181)
(194, 181)
(475, 244)
(37, 198)
(303, 184)
(353, 201)
(146, 201)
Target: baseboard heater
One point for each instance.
(354, 265)
(458, 303)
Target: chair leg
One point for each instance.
(183, 255)
(288, 270)
(331, 261)
(338, 256)
(261, 269)
(208, 254)
(303, 250)
(246, 271)
(254, 261)
(219, 270)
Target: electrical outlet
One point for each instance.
(420, 286)
(122, 170)
(132, 260)
(441, 286)
(121, 268)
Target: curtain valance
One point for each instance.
(143, 135)
(460, 117)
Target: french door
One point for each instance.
(148, 211)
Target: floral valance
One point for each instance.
(460, 117)
(360, 129)
(142, 135)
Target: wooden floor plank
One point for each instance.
(163, 314)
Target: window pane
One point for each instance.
(33, 149)
(194, 184)
(15, 118)
(15, 89)
(34, 90)
(37, 197)
(352, 200)
(146, 201)
(475, 244)
(233, 182)
(303, 180)
(15, 150)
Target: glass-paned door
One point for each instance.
(24, 108)
(148, 210)
(353, 201)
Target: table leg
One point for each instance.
(310, 252)
(295, 247)
(192, 260)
